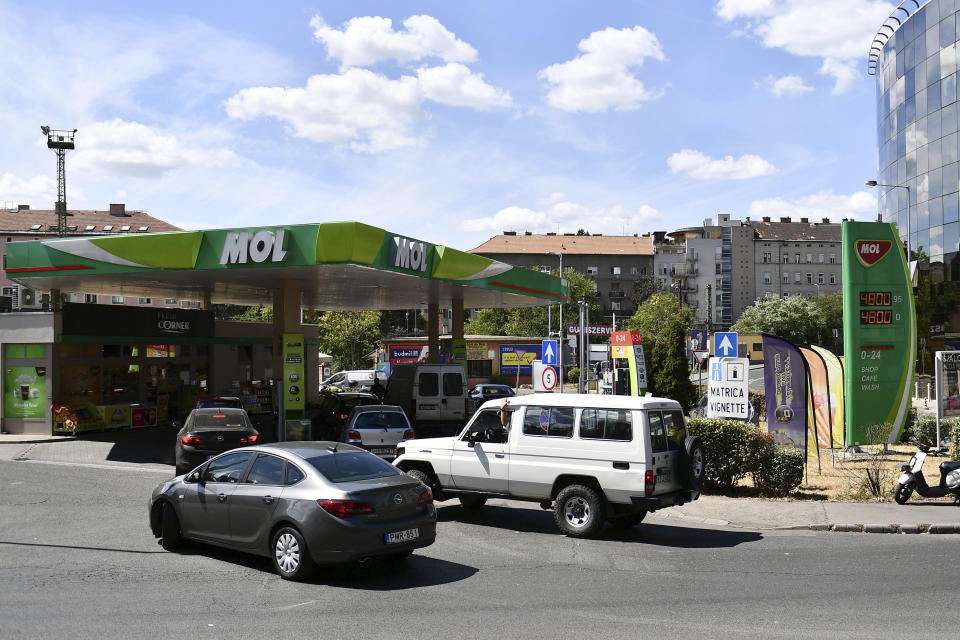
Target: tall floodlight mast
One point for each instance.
(60, 142)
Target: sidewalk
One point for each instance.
(151, 449)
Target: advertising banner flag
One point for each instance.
(819, 393)
(835, 385)
(785, 384)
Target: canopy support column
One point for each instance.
(433, 332)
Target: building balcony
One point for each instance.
(618, 295)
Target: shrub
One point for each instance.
(780, 471)
(731, 449)
(955, 439)
(759, 401)
(925, 429)
(500, 379)
(573, 375)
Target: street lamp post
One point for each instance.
(562, 329)
(874, 183)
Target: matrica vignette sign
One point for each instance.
(728, 394)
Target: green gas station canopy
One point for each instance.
(339, 265)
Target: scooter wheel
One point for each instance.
(903, 493)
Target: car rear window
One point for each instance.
(452, 384)
(429, 384)
(219, 420)
(351, 466)
(380, 419)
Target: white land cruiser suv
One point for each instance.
(592, 458)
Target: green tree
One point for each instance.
(831, 309)
(349, 336)
(796, 319)
(242, 313)
(664, 323)
(644, 287)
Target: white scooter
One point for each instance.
(912, 477)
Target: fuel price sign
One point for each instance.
(879, 330)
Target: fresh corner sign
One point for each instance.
(879, 332)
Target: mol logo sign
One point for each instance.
(869, 252)
(239, 247)
(408, 254)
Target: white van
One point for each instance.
(433, 395)
(591, 458)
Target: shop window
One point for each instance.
(479, 368)
(161, 350)
(119, 351)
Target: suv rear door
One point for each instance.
(667, 434)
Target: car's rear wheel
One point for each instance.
(629, 520)
(170, 537)
(579, 511)
(290, 556)
(472, 502)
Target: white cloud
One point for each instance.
(699, 165)
(457, 86)
(567, 217)
(602, 78)
(16, 190)
(368, 40)
(133, 149)
(366, 110)
(823, 204)
(784, 85)
(838, 32)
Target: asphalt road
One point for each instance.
(77, 560)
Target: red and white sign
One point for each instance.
(626, 338)
(700, 355)
(544, 377)
(871, 251)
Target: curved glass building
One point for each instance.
(915, 58)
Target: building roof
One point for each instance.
(567, 244)
(797, 231)
(119, 219)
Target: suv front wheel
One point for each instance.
(579, 511)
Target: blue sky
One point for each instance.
(446, 121)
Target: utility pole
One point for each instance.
(60, 142)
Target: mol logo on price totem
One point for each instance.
(869, 252)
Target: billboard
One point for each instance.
(879, 331)
(525, 354)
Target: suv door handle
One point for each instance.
(498, 455)
(621, 465)
(221, 497)
(268, 499)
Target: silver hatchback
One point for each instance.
(300, 503)
(378, 428)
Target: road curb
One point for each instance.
(938, 528)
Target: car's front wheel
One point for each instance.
(170, 536)
(290, 556)
(579, 511)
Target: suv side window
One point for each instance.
(452, 384)
(676, 431)
(429, 384)
(658, 438)
(548, 421)
(606, 424)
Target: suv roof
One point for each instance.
(586, 400)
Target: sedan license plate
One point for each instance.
(401, 536)
(387, 450)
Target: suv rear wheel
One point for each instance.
(579, 511)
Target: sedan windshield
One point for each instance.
(380, 420)
(350, 466)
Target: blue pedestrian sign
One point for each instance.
(725, 344)
(548, 352)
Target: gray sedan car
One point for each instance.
(300, 503)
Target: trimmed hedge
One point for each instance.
(735, 449)
(925, 429)
(955, 440)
